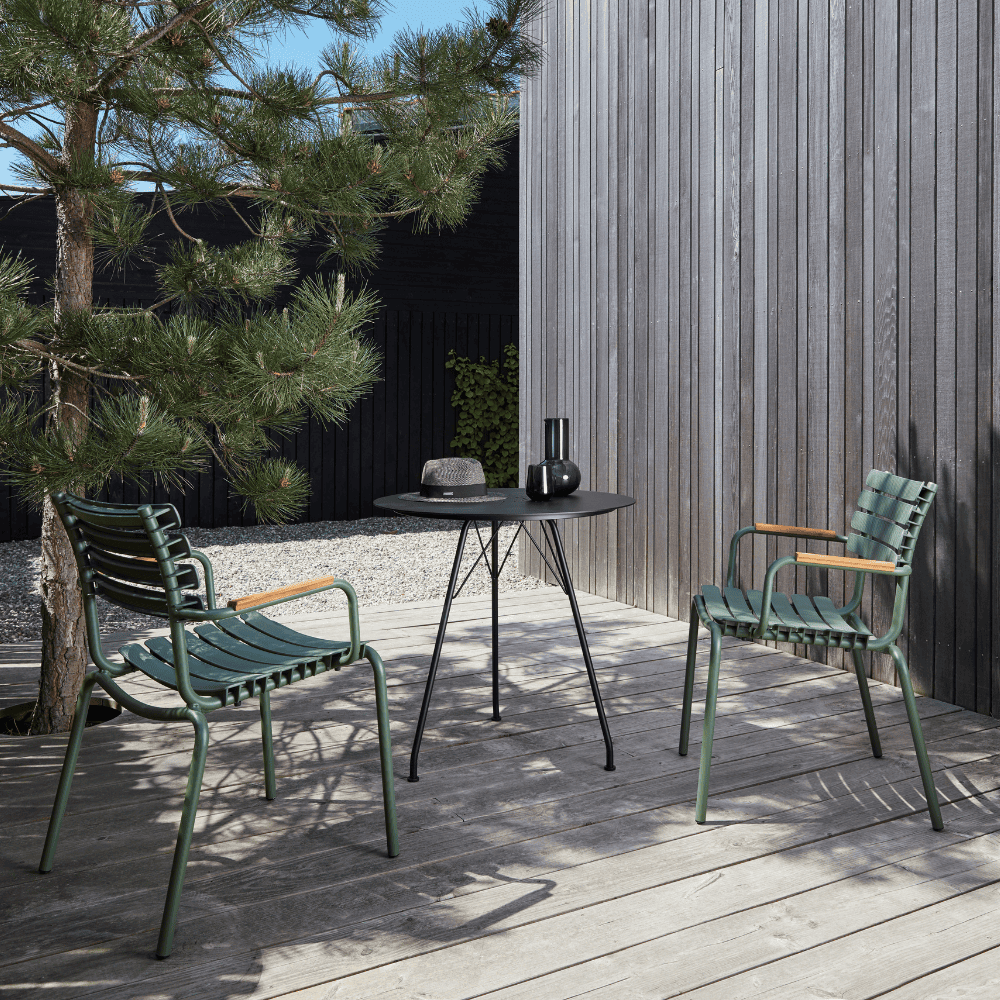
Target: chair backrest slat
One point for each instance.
(895, 486)
(891, 511)
(134, 543)
(144, 571)
(150, 602)
(885, 506)
(890, 534)
(870, 548)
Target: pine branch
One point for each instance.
(18, 112)
(43, 159)
(210, 91)
(176, 224)
(34, 348)
(23, 201)
(143, 42)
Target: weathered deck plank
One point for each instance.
(526, 869)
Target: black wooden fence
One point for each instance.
(407, 419)
(440, 290)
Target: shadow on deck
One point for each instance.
(526, 870)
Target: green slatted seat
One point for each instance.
(885, 527)
(133, 556)
(814, 621)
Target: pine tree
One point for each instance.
(104, 99)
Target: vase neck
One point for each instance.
(557, 437)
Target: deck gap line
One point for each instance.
(940, 968)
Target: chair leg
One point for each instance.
(385, 752)
(918, 737)
(270, 788)
(66, 777)
(711, 696)
(866, 701)
(181, 851)
(692, 655)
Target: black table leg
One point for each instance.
(436, 657)
(564, 571)
(495, 574)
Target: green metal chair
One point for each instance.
(131, 556)
(890, 513)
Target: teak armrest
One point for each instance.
(844, 562)
(242, 603)
(787, 529)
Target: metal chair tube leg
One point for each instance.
(495, 576)
(436, 656)
(692, 656)
(195, 774)
(66, 776)
(866, 701)
(270, 788)
(711, 697)
(591, 674)
(385, 752)
(918, 737)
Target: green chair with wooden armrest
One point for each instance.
(133, 557)
(885, 527)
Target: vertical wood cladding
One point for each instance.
(757, 259)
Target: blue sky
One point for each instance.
(304, 48)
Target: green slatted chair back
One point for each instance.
(891, 511)
(128, 555)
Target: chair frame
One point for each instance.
(769, 627)
(157, 520)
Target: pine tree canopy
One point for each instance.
(106, 99)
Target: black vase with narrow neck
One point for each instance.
(565, 475)
(557, 437)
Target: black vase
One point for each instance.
(565, 475)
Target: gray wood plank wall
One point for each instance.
(757, 259)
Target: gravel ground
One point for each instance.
(389, 560)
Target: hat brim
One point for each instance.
(419, 497)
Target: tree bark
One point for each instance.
(64, 649)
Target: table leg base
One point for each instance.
(610, 767)
(496, 718)
(412, 777)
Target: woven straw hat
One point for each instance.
(452, 480)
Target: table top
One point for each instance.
(515, 506)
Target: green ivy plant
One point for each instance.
(485, 397)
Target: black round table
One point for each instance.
(515, 506)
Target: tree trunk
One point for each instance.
(64, 649)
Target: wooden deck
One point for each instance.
(526, 871)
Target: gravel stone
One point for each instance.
(389, 560)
